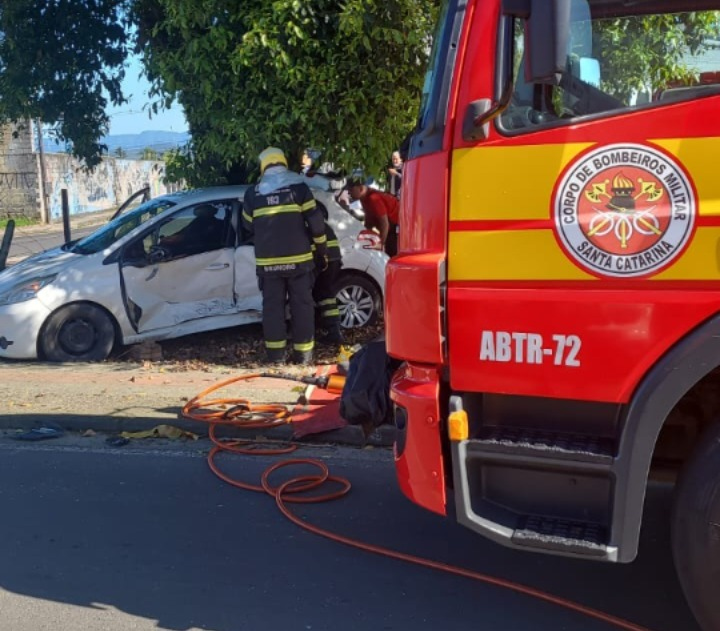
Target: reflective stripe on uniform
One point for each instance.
(247, 217)
(275, 345)
(308, 205)
(276, 210)
(304, 347)
(327, 302)
(333, 243)
(329, 313)
(285, 260)
(320, 239)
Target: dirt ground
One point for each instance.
(147, 384)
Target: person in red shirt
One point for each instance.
(381, 213)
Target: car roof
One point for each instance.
(208, 193)
(235, 191)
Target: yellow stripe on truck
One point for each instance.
(510, 255)
(507, 182)
(699, 156)
(701, 261)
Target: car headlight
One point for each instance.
(25, 291)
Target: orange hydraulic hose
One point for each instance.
(243, 413)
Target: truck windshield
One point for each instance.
(114, 230)
(620, 61)
(432, 76)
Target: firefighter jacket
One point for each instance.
(284, 223)
(333, 245)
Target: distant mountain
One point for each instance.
(132, 144)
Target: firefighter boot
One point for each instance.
(304, 358)
(333, 334)
(275, 356)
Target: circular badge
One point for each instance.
(624, 211)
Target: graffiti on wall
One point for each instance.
(27, 180)
(107, 186)
(18, 193)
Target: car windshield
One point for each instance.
(108, 234)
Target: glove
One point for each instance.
(321, 261)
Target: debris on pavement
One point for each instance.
(161, 431)
(38, 433)
(117, 441)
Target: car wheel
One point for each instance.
(359, 301)
(696, 530)
(79, 332)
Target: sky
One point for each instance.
(133, 117)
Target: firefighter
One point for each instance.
(325, 287)
(281, 216)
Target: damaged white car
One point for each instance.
(155, 273)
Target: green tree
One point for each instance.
(149, 154)
(62, 61)
(344, 76)
(647, 53)
(120, 153)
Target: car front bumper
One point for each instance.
(20, 326)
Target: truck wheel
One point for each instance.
(696, 530)
(77, 333)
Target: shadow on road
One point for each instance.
(161, 538)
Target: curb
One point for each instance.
(350, 435)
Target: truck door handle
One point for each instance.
(218, 266)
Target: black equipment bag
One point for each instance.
(365, 398)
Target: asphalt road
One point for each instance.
(145, 537)
(27, 242)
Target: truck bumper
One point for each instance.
(419, 463)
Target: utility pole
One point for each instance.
(41, 172)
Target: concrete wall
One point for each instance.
(107, 186)
(18, 173)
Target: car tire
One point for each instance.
(359, 301)
(77, 333)
(696, 530)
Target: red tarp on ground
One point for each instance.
(322, 411)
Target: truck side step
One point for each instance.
(535, 443)
(561, 536)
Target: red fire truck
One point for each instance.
(556, 298)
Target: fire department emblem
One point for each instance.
(624, 211)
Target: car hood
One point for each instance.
(38, 265)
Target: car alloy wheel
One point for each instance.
(359, 302)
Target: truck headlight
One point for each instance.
(26, 290)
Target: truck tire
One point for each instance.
(696, 530)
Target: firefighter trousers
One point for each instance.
(325, 296)
(277, 291)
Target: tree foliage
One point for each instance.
(62, 61)
(648, 53)
(343, 77)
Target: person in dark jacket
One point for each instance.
(326, 287)
(282, 218)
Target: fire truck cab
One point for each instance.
(556, 297)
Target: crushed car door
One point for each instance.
(182, 269)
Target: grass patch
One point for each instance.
(19, 221)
